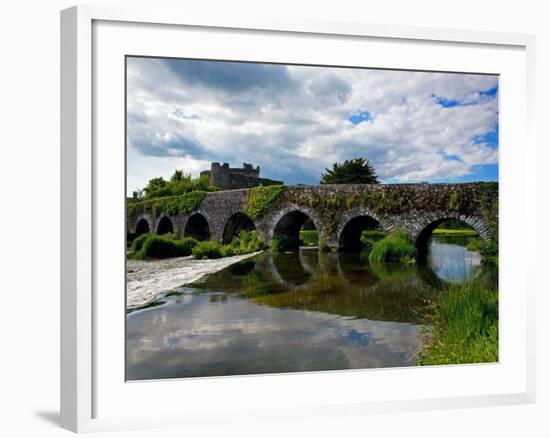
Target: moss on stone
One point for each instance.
(170, 205)
(261, 200)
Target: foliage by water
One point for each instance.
(207, 249)
(261, 200)
(279, 243)
(309, 237)
(465, 324)
(488, 250)
(245, 243)
(153, 246)
(395, 247)
(454, 232)
(369, 237)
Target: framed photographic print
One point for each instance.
(257, 208)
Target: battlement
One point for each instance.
(228, 178)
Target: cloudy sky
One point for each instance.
(294, 121)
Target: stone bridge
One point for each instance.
(338, 212)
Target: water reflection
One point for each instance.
(304, 311)
(451, 260)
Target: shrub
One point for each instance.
(162, 247)
(261, 200)
(279, 244)
(153, 246)
(138, 242)
(246, 242)
(186, 245)
(369, 238)
(207, 249)
(395, 247)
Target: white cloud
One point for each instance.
(293, 121)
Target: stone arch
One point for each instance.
(236, 223)
(289, 220)
(352, 223)
(142, 226)
(165, 225)
(431, 222)
(197, 226)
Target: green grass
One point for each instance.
(465, 325)
(454, 232)
(245, 243)
(152, 246)
(309, 237)
(395, 247)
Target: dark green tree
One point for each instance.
(156, 188)
(355, 171)
(177, 176)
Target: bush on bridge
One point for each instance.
(153, 246)
(261, 200)
(169, 205)
(395, 247)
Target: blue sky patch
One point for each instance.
(491, 92)
(359, 117)
(444, 102)
(490, 138)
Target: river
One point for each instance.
(294, 312)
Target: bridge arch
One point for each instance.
(352, 224)
(165, 225)
(433, 221)
(142, 226)
(236, 223)
(197, 227)
(289, 221)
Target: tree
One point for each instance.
(156, 188)
(177, 176)
(356, 171)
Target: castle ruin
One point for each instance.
(228, 178)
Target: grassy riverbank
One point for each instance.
(454, 232)
(464, 318)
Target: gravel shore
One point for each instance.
(147, 279)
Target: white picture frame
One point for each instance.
(93, 397)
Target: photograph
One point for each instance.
(289, 218)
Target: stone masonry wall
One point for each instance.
(416, 208)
